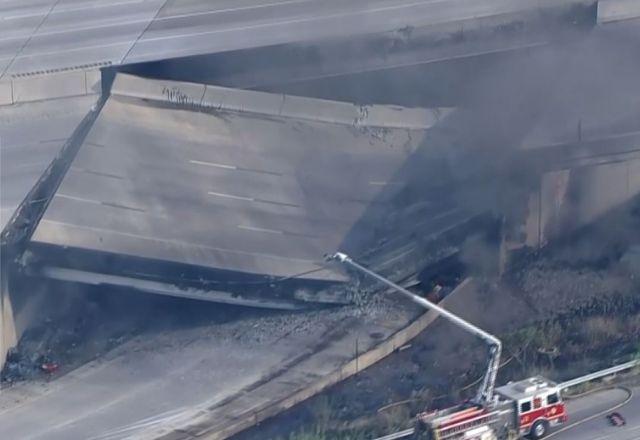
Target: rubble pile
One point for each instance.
(38, 353)
(59, 343)
(25, 366)
(550, 289)
(267, 327)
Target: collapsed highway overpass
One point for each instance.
(210, 193)
(221, 194)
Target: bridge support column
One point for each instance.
(560, 201)
(8, 333)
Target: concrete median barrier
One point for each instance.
(617, 10)
(182, 93)
(276, 105)
(6, 93)
(29, 88)
(48, 87)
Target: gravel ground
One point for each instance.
(550, 289)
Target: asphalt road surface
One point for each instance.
(45, 35)
(31, 134)
(149, 382)
(599, 428)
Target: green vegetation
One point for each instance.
(597, 330)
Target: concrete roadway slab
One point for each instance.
(243, 191)
(31, 134)
(176, 33)
(58, 35)
(43, 35)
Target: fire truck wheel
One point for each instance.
(539, 429)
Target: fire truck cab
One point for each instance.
(537, 405)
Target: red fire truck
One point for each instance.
(525, 408)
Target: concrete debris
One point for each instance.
(272, 326)
(547, 286)
(21, 366)
(67, 331)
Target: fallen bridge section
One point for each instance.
(225, 190)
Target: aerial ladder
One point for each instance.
(484, 395)
(528, 407)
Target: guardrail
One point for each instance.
(599, 374)
(395, 435)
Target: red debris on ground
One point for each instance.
(49, 367)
